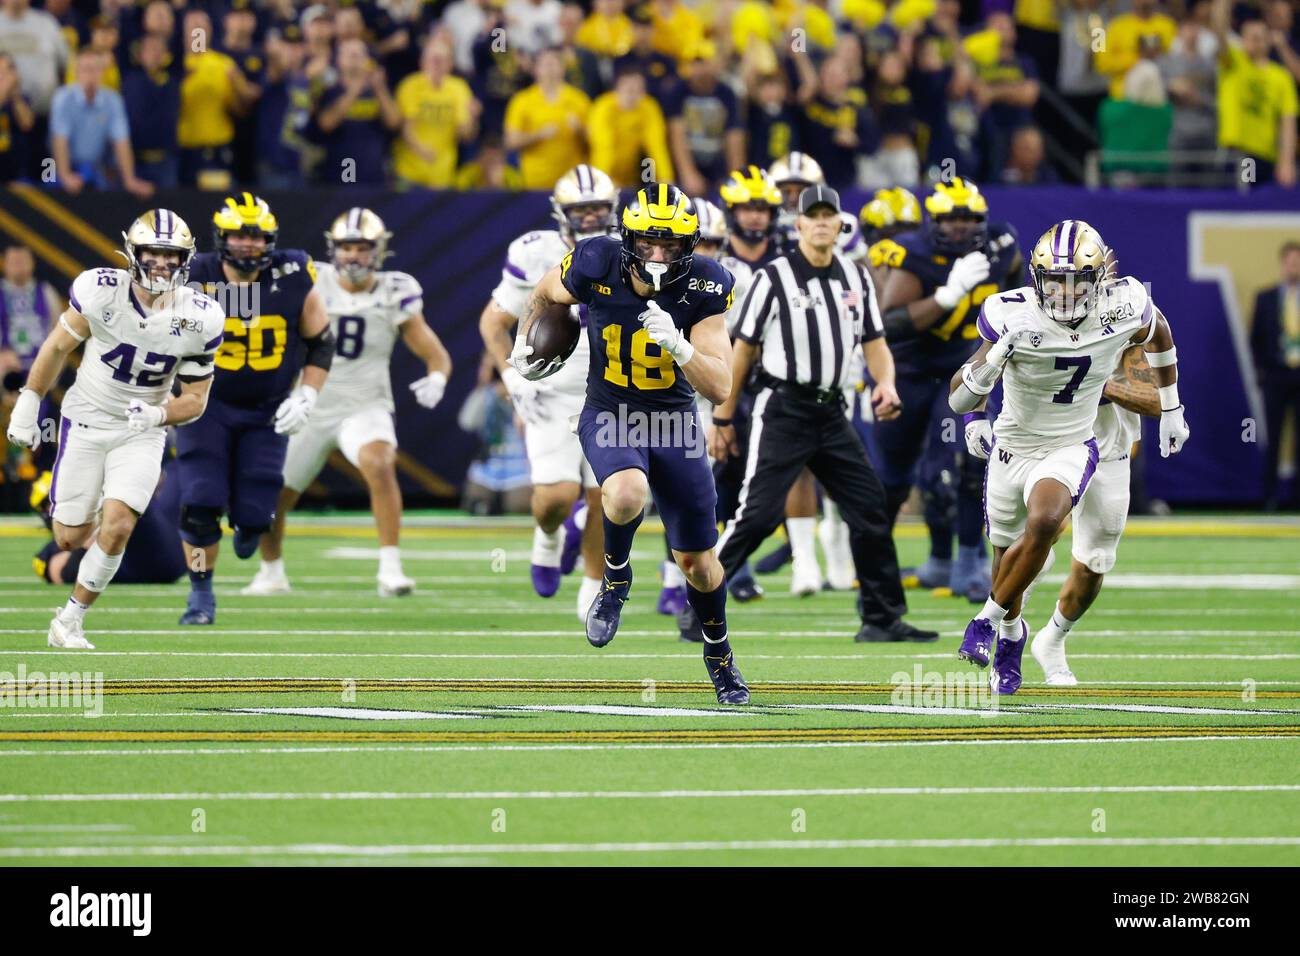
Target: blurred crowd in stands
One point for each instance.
(509, 94)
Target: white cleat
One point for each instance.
(834, 537)
(67, 634)
(1050, 654)
(395, 585)
(587, 592)
(806, 578)
(264, 584)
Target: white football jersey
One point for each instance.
(1051, 387)
(743, 273)
(366, 326)
(1116, 429)
(134, 351)
(528, 259)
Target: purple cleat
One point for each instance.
(672, 601)
(546, 581)
(977, 645)
(572, 539)
(1005, 678)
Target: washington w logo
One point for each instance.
(1004, 456)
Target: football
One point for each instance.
(553, 337)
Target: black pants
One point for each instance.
(1281, 390)
(788, 433)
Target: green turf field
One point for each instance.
(472, 724)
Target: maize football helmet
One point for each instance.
(246, 215)
(959, 200)
(661, 212)
(358, 225)
(1069, 265)
(158, 230)
(581, 186)
(890, 212)
(753, 187)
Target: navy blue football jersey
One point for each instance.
(627, 367)
(948, 343)
(261, 354)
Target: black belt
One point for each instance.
(806, 393)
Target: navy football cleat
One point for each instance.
(727, 682)
(200, 608)
(743, 587)
(977, 644)
(934, 573)
(603, 615)
(971, 575)
(245, 543)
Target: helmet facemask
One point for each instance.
(1068, 296)
(246, 264)
(968, 241)
(142, 274)
(585, 220)
(356, 270)
(658, 272)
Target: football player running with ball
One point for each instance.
(143, 329)
(1053, 344)
(656, 322)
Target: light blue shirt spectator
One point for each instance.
(89, 132)
(91, 126)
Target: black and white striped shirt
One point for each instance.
(810, 319)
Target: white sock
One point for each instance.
(802, 533)
(390, 560)
(275, 568)
(74, 610)
(580, 518)
(993, 612)
(1009, 629)
(673, 577)
(546, 547)
(1060, 624)
(831, 512)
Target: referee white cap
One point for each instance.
(818, 196)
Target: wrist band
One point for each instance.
(974, 417)
(722, 422)
(1168, 397)
(1163, 359)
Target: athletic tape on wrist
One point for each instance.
(1163, 359)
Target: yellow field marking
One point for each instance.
(683, 735)
(331, 685)
(73, 224)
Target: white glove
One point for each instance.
(428, 390)
(967, 272)
(141, 417)
(979, 438)
(1173, 432)
(529, 397)
(534, 370)
(295, 410)
(23, 427)
(668, 336)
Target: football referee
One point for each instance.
(806, 312)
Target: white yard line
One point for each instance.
(494, 748)
(630, 794)
(709, 846)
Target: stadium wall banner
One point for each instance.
(1204, 256)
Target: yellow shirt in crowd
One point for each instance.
(605, 36)
(1253, 98)
(620, 139)
(207, 95)
(1123, 37)
(434, 114)
(529, 111)
(1037, 15)
(678, 33)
